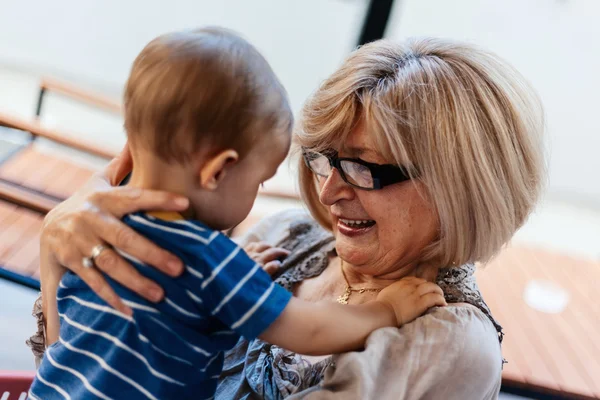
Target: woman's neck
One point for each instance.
(356, 279)
(330, 284)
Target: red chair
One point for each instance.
(14, 385)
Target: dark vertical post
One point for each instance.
(40, 102)
(376, 20)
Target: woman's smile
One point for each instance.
(354, 227)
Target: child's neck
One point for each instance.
(158, 175)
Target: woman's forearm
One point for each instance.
(51, 271)
(50, 274)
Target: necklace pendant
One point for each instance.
(343, 298)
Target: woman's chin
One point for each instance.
(354, 246)
(352, 255)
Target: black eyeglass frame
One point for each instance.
(382, 174)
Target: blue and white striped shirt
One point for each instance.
(170, 350)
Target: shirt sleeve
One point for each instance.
(235, 289)
(451, 353)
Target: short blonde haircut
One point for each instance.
(469, 123)
(202, 87)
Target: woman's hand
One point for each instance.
(92, 217)
(266, 255)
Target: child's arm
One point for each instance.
(326, 327)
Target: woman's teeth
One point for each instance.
(357, 223)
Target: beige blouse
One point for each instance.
(451, 353)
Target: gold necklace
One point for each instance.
(344, 297)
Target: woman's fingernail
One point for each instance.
(181, 202)
(156, 294)
(174, 266)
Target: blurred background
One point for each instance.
(63, 64)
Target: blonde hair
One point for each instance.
(199, 87)
(470, 124)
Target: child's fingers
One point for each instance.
(257, 247)
(272, 267)
(431, 300)
(274, 253)
(429, 287)
(412, 280)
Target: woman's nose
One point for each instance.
(333, 189)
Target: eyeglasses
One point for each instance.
(354, 171)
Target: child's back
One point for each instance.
(166, 350)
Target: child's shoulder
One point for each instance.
(166, 227)
(190, 237)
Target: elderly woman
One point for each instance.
(419, 158)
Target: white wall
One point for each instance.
(97, 40)
(556, 44)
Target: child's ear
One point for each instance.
(215, 168)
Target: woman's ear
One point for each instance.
(215, 168)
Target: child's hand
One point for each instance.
(266, 255)
(410, 297)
